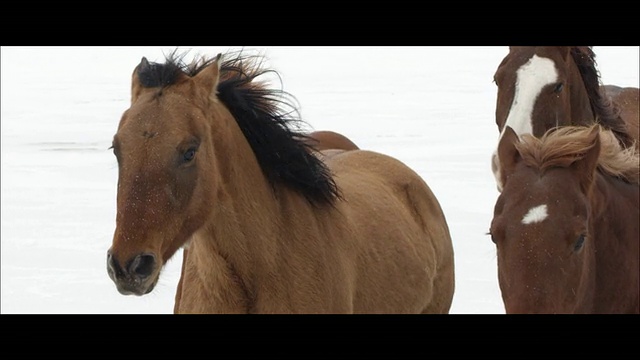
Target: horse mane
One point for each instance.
(605, 111)
(560, 147)
(269, 119)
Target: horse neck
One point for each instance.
(581, 109)
(606, 198)
(245, 192)
(610, 223)
(250, 217)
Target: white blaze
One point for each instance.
(531, 78)
(535, 215)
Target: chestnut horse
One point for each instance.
(566, 223)
(541, 87)
(209, 159)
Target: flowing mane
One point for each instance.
(560, 147)
(604, 110)
(268, 117)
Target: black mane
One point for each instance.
(269, 119)
(604, 110)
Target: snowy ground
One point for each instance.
(431, 107)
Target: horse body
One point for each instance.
(566, 225)
(542, 87)
(307, 260)
(207, 162)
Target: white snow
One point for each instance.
(431, 107)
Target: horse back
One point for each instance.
(384, 174)
(327, 140)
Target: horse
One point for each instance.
(566, 223)
(212, 160)
(541, 87)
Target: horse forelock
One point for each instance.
(560, 147)
(166, 74)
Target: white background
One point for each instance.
(431, 107)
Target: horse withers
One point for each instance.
(322, 140)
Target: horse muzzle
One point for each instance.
(138, 276)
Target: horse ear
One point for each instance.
(507, 153)
(586, 166)
(136, 87)
(208, 78)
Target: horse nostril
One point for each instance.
(142, 266)
(113, 268)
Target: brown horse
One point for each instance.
(541, 87)
(566, 223)
(209, 159)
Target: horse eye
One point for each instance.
(558, 87)
(578, 245)
(189, 155)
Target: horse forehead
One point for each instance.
(535, 214)
(530, 211)
(536, 196)
(531, 78)
(537, 72)
(169, 117)
(527, 186)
